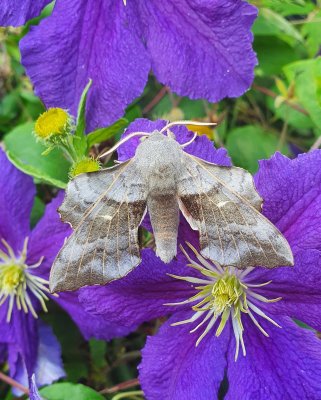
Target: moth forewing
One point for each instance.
(105, 209)
(223, 204)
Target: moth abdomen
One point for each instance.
(164, 214)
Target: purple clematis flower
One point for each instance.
(26, 256)
(199, 48)
(228, 325)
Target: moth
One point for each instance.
(105, 209)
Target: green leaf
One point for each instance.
(270, 23)
(98, 352)
(192, 108)
(312, 32)
(72, 343)
(306, 75)
(37, 211)
(289, 7)
(80, 137)
(68, 391)
(273, 54)
(102, 134)
(133, 111)
(26, 154)
(296, 119)
(248, 144)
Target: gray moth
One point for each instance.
(105, 209)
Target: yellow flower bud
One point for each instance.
(84, 165)
(53, 122)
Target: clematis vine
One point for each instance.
(26, 256)
(231, 330)
(195, 47)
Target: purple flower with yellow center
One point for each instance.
(26, 256)
(230, 329)
(199, 48)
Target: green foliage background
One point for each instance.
(281, 112)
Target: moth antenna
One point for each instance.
(170, 134)
(190, 141)
(130, 136)
(187, 122)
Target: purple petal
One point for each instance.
(17, 369)
(34, 393)
(91, 326)
(201, 147)
(99, 41)
(21, 335)
(286, 366)
(3, 352)
(299, 287)
(47, 238)
(292, 197)
(201, 49)
(17, 12)
(174, 368)
(16, 200)
(141, 295)
(49, 366)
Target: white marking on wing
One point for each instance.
(107, 217)
(222, 203)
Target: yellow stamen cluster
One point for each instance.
(223, 295)
(17, 283)
(53, 122)
(11, 277)
(86, 164)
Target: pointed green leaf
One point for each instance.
(80, 142)
(102, 134)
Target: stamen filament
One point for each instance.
(208, 328)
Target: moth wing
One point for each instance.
(223, 205)
(105, 209)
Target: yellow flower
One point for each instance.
(53, 122)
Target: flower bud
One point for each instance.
(84, 165)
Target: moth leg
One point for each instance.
(164, 215)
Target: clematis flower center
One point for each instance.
(223, 294)
(17, 283)
(52, 122)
